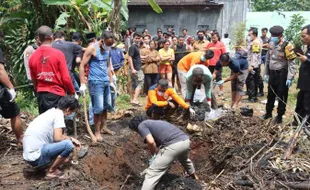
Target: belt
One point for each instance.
(276, 72)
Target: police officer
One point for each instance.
(254, 59)
(303, 97)
(279, 72)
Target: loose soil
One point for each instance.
(237, 153)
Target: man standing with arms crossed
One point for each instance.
(100, 79)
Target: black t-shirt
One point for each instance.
(134, 52)
(164, 133)
(180, 52)
(70, 50)
(1, 57)
(236, 65)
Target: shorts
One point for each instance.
(218, 76)
(137, 80)
(8, 109)
(238, 83)
(100, 95)
(47, 100)
(163, 69)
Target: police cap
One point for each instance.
(276, 30)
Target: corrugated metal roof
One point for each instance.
(174, 2)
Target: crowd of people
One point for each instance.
(167, 68)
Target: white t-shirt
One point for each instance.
(41, 131)
(226, 42)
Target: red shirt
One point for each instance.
(218, 49)
(49, 69)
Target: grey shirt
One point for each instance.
(276, 59)
(163, 132)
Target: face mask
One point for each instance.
(275, 40)
(160, 93)
(105, 47)
(200, 37)
(202, 58)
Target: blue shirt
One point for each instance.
(117, 58)
(98, 66)
(236, 65)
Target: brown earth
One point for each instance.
(237, 153)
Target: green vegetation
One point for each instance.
(280, 5)
(123, 102)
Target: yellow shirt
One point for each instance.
(163, 53)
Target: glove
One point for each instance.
(83, 89)
(209, 102)
(76, 96)
(151, 159)
(288, 83)
(266, 78)
(13, 94)
(220, 82)
(192, 112)
(112, 85)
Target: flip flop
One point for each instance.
(83, 152)
(136, 104)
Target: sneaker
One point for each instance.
(221, 93)
(278, 119)
(266, 116)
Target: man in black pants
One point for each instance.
(254, 59)
(303, 97)
(279, 72)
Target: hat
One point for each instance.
(276, 30)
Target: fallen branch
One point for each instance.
(128, 176)
(91, 134)
(279, 184)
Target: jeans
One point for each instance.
(49, 152)
(100, 94)
(91, 114)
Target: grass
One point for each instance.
(123, 102)
(27, 102)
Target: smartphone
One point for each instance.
(298, 49)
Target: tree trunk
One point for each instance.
(115, 19)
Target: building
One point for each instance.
(189, 14)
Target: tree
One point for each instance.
(281, 5)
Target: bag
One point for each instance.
(246, 111)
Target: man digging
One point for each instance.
(166, 143)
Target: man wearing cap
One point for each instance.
(198, 75)
(200, 44)
(187, 62)
(280, 70)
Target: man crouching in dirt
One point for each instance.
(166, 143)
(198, 75)
(158, 104)
(44, 142)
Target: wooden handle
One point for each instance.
(91, 134)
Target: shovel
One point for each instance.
(91, 134)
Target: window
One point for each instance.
(140, 26)
(203, 27)
(168, 26)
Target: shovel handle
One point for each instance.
(91, 134)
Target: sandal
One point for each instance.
(136, 104)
